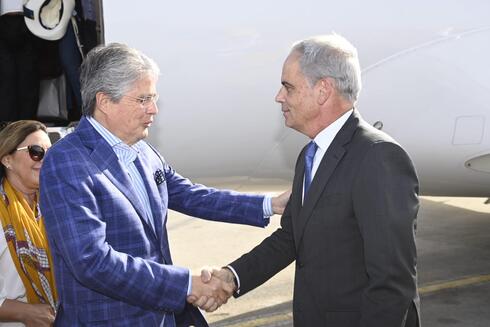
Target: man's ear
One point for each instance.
(325, 88)
(102, 102)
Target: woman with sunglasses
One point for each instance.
(27, 289)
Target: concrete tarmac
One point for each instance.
(453, 241)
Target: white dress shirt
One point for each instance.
(323, 141)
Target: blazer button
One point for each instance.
(300, 264)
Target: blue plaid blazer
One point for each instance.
(111, 267)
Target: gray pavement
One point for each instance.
(453, 240)
(467, 306)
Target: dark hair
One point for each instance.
(14, 134)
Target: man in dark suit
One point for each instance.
(105, 194)
(352, 230)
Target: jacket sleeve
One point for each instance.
(70, 204)
(213, 204)
(385, 198)
(274, 254)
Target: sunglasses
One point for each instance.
(36, 152)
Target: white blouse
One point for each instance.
(11, 286)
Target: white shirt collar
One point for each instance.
(124, 152)
(326, 136)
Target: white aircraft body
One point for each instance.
(426, 81)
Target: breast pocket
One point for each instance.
(330, 199)
(333, 207)
(163, 191)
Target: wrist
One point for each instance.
(233, 277)
(16, 310)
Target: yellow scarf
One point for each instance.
(28, 245)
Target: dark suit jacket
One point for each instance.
(112, 268)
(352, 238)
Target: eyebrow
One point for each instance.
(146, 95)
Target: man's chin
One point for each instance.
(141, 136)
(144, 133)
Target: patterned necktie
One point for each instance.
(309, 155)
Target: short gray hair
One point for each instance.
(112, 70)
(331, 56)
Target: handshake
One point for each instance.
(212, 288)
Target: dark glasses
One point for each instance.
(36, 152)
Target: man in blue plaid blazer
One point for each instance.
(105, 194)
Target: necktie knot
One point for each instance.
(309, 156)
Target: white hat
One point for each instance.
(48, 19)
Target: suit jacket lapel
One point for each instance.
(329, 162)
(106, 160)
(145, 169)
(327, 166)
(296, 195)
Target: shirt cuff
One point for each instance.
(236, 278)
(267, 206)
(189, 288)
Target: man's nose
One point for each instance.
(280, 95)
(152, 109)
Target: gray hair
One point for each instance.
(331, 56)
(112, 70)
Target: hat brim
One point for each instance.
(32, 19)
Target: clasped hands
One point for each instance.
(212, 288)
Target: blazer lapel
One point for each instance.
(145, 169)
(296, 195)
(329, 162)
(106, 160)
(327, 166)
